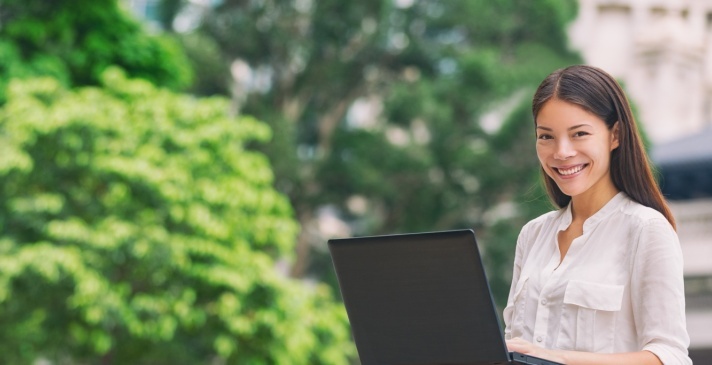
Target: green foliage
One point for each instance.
(205, 56)
(436, 72)
(138, 229)
(76, 40)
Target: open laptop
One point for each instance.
(421, 299)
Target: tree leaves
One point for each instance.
(442, 139)
(75, 40)
(135, 222)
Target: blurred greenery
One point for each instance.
(139, 225)
(447, 142)
(137, 229)
(75, 40)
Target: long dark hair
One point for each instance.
(597, 92)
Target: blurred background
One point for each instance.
(170, 170)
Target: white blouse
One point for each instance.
(618, 289)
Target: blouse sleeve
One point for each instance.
(516, 271)
(657, 279)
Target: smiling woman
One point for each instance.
(598, 281)
(574, 147)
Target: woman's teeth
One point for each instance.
(570, 171)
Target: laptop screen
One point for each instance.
(418, 299)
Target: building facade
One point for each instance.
(661, 50)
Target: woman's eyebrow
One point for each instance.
(570, 128)
(579, 126)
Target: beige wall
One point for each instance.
(694, 220)
(661, 50)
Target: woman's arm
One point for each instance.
(582, 358)
(657, 284)
(516, 272)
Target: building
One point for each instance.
(661, 51)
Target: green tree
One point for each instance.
(137, 228)
(436, 71)
(75, 40)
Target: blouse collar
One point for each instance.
(611, 206)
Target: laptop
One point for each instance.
(422, 299)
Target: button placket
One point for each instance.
(541, 324)
(544, 305)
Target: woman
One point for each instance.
(600, 280)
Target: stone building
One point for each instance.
(661, 51)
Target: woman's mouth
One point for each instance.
(570, 170)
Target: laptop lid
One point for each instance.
(419, 299)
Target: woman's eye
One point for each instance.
(544, 136)
(580, 134)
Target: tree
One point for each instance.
(436, 73)
(137, 228)
(75, 40)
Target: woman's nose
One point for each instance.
(564, 150)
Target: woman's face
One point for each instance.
(574, 147)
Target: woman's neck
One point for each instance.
(587, 204)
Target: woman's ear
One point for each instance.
(615, 131)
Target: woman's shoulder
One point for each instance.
(545, 220)
(641, 215)
(649, 227)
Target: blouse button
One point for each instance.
(539, 339)
(543, 302)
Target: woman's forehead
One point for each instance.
(557, 113)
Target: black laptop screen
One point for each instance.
(418, 299)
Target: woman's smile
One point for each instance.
(570, 171)
(574, 147)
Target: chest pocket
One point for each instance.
(588, 316)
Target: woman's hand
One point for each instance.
(582, 358)
(525, 347)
